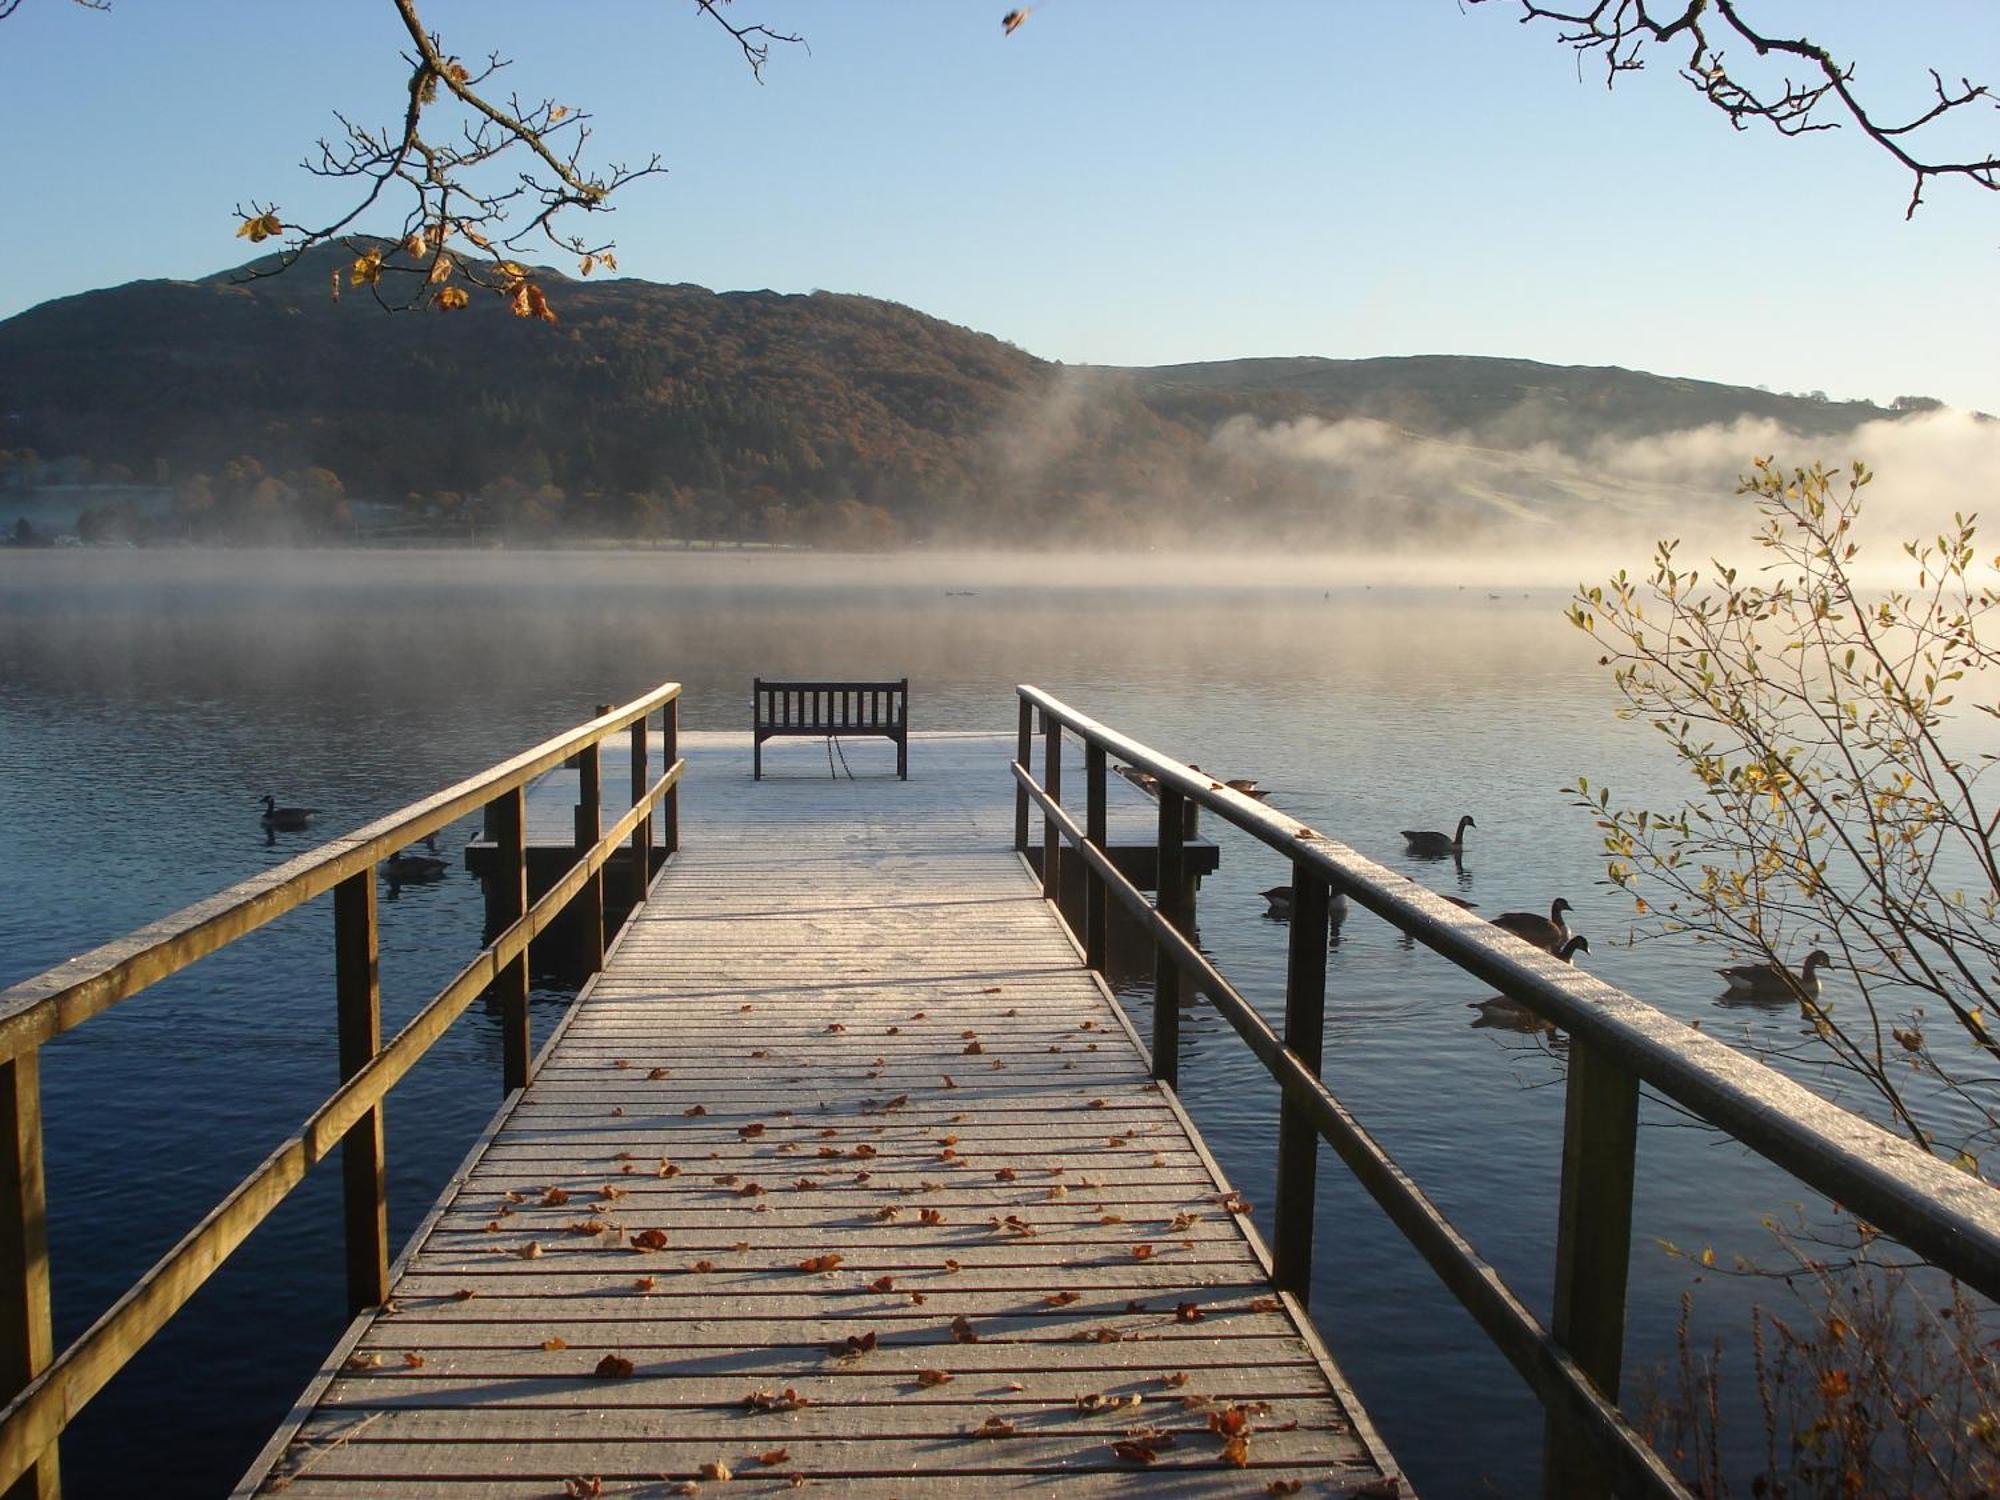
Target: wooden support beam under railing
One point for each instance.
(1593, 1250)
(1024, 749)
(363, 1164)
(1052, 784)
(1171, 881)
(1096, 909)
(507, 898)
(589, 828)
(26, 1336)
(1305, 1030)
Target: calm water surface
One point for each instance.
(147, 700)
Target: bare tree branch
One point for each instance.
(1622, 32)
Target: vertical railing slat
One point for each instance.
(1052, 784)
(1169, 898)
(1593, 1248)
(1024, 749)
(1305, 1029)
(363, 1150)
(507, 895)
(27, 1341)
(589, 829)
(1096, 915)
(642, 835)
(670, 806)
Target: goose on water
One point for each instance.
(1433, 844)
(290, 819)
(413, 869)
(1279, 899)
(1547, 933)
(1773, 982)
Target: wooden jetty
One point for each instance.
(929, 1224)
(846, 1170)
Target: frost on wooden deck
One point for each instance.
(844, 1173)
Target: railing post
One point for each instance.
(27, 1342)
(642, 834)
(1052, 784)
(1096, 916)
(1170, 900)
(670, 806)
(1024, 749)
(363, 1163)
(1593, 1248)
(507, 894)
(589, 829)
(1305, 1030)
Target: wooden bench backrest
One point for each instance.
(831, 708)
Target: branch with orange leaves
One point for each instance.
(467, 219)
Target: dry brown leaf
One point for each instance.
(716, 1469)
(656, 1074)
(1142, 1252)
(994, 1427)
(650, 1239)
(695, 1109)
(1131, 1452)
(369, 1360)
(530, 1251)
(786, 1400)
(614, 1367)
(882, 1284)
(814, 1264)
(464, 1294)
(747, 1131)
(588, 1226)
(934, 1377)
(551, 1345)
(1237, 1451)
(962, 1330)
(931, 1216)
(1188, 1312)
(770, 1458)
(1263, 1304)
(702, 1266)
(414, 1360)
(555, 1197)
(1061, 1299)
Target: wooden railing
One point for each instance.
(1616, 1043)
(47, 1388)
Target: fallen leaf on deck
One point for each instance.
(882, 1284)
(931, 1216)
(1062, 1299)
(588, 1226)
(650, 1239)
(367, 1361)
(555, 1197)
(656, 1075)
(747, 1131)
(1188, 1312)
(702, 1267)
(1131, 1452)
(529, 1251)
(934, 1377)
(551, 1345)
(413, 1359)
(962, 1331)
(994, 1427)
(1142, 1252)
(695, 1109)
(614, 1367)
(715, 1470)
(814, 1264)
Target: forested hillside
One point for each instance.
(269, 409)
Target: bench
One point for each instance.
(817, 709)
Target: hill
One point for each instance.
(269, 408)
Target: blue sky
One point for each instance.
(1123, 181)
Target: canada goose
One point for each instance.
(1279, 899)
(1145, 781)
(413, 869)
(290, 819)
(1434, 845)
(1547, 933)
(1569, 950)
(1773, 982)
(1247, 785)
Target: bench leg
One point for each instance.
(903, 756)
(757, 760)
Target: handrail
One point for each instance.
(65, 996)
(47, 1392)
(1616, 1042)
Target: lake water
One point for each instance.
(147, 700)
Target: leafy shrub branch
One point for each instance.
(1841, 803)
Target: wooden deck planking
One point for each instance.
(846, 1025)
